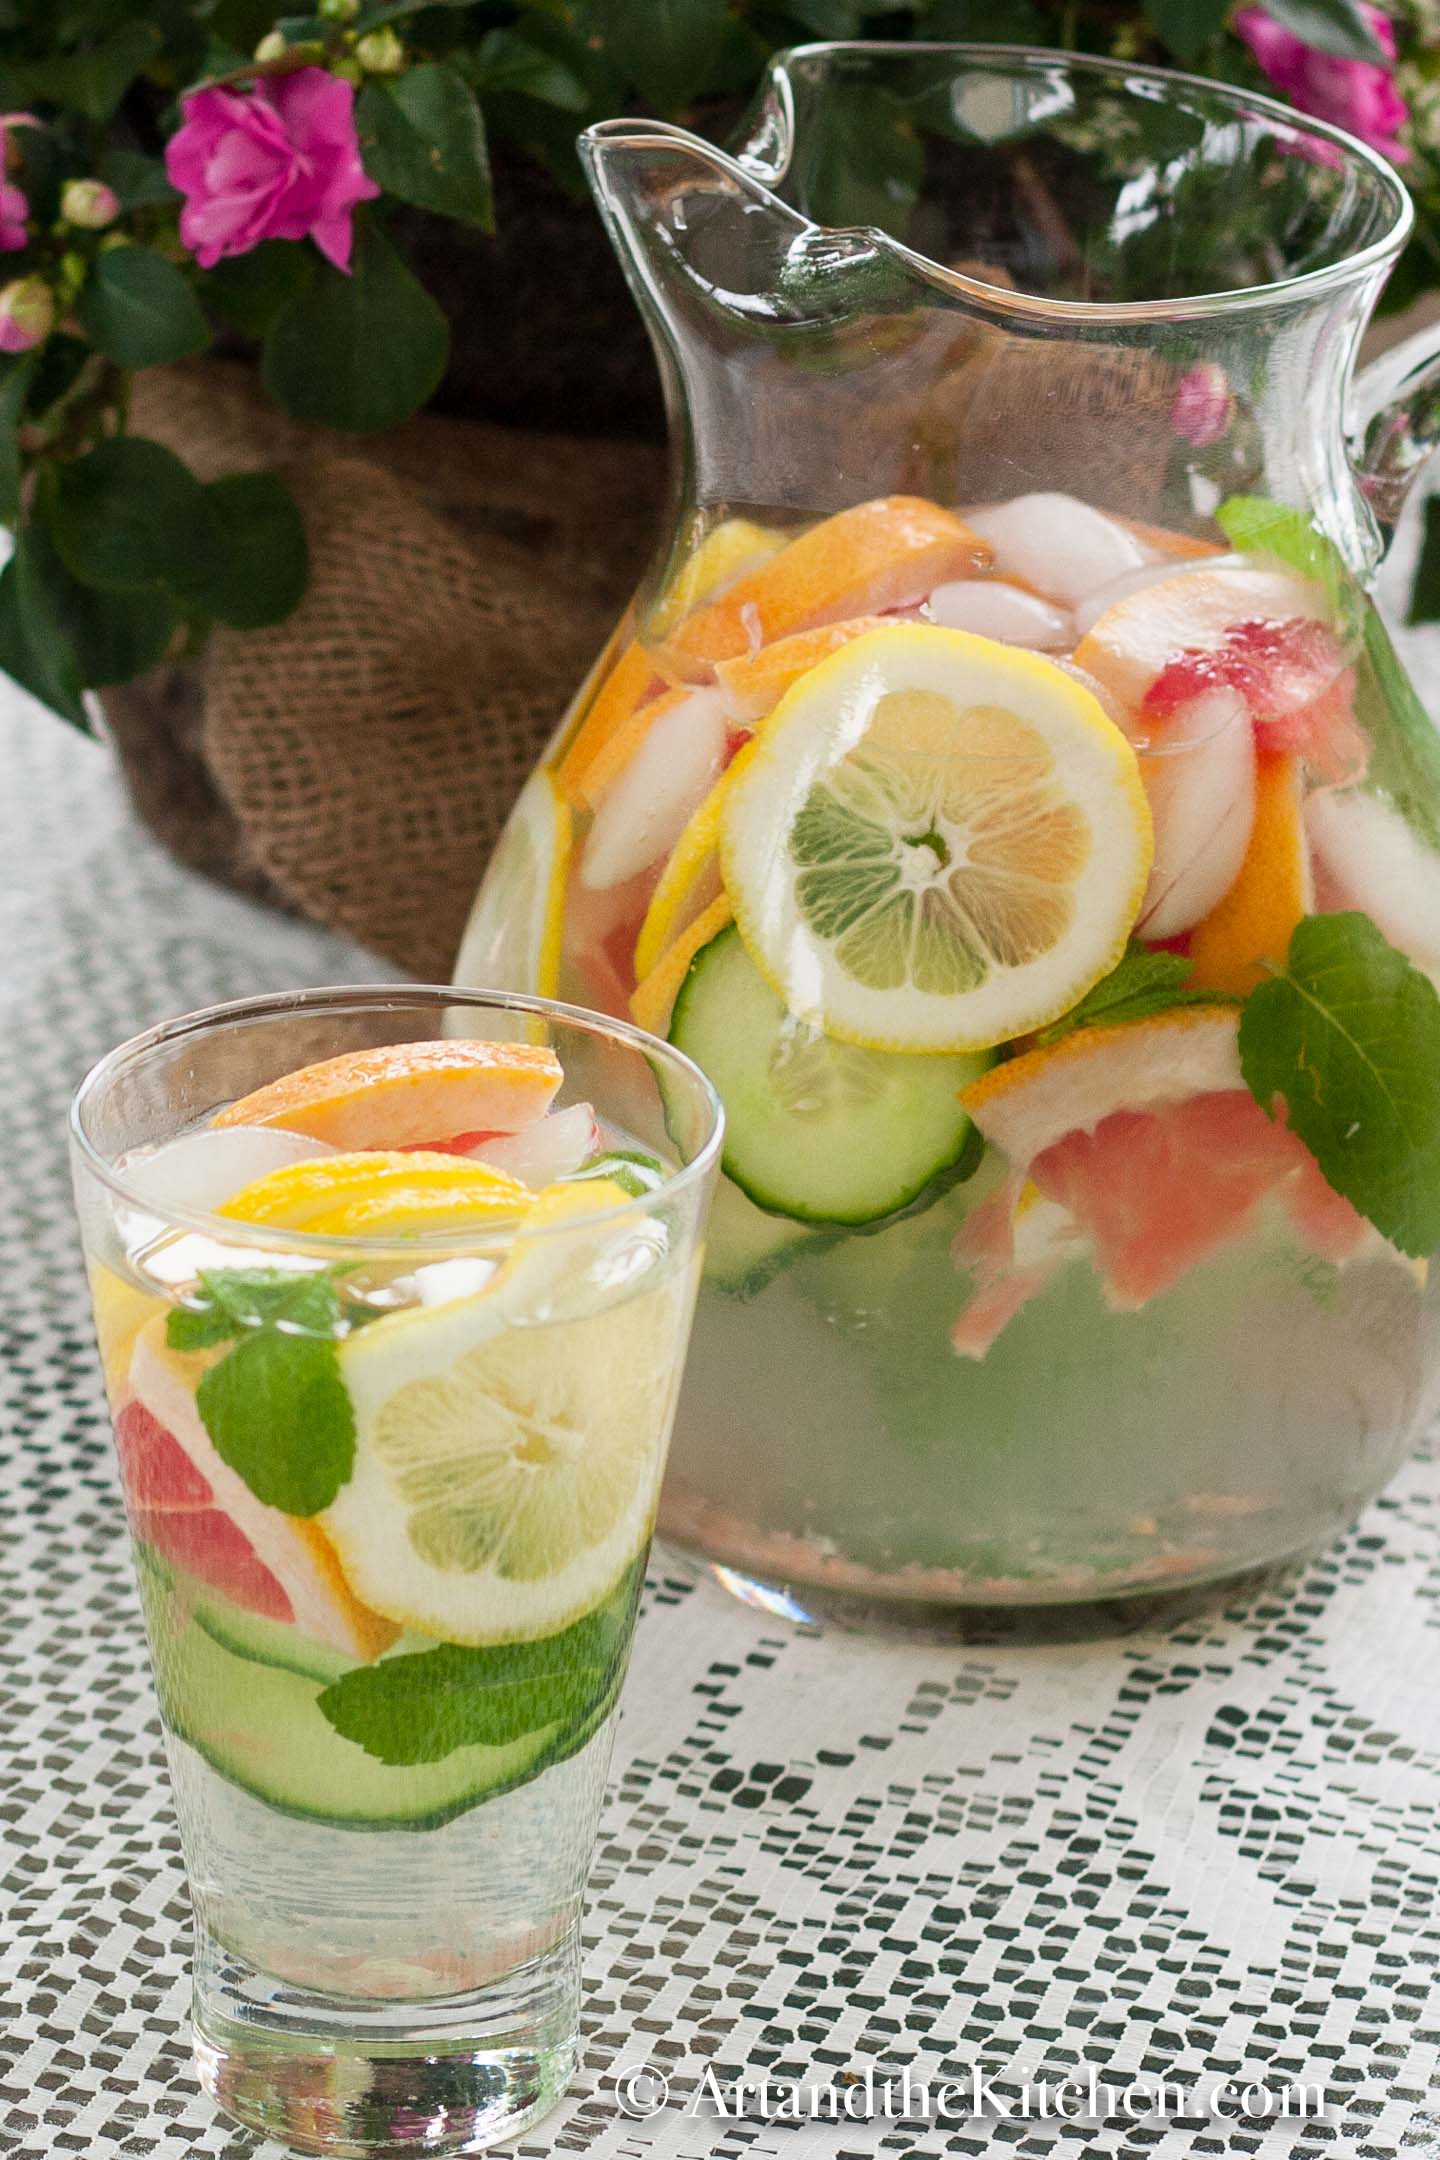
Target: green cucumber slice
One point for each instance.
(247, 1634)
(259, 1726)
(816, 1129)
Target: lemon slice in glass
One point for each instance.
(506, 1475)
(938, 842)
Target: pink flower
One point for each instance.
(27, 314)
(1204, 404)
(14, 210)
(274, 163)
(1354, 94)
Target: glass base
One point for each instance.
(346, 2075)
(918, 1619)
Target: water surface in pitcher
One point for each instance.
(1053, 900)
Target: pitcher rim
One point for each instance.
(1350, 269)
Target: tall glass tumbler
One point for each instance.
(391, 1464)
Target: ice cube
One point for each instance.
(549, 1148)
(1063, 547)
(991, 608)
(649, 805)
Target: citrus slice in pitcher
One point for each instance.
(505, 1476)
(512, 940)
(938, 842)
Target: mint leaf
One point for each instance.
(1348, 1038)
(1143, 983)
(422, 1706)
(231, 1301)
(277, 1411)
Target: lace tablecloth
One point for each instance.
(1207, 1852)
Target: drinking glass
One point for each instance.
(388, 1815)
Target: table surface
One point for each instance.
(1202, 1851)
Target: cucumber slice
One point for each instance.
(258, 1724)
(247, 1634)
(816, 1129)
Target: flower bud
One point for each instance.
(380, 52)
(89, 204)
(27, 314)
(1204, 404)
(8, 122)
(271, 47)
(339, 10)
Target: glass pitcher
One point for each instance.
(1004, 789)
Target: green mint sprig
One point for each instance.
(275, 1406)
(1347, 1036)
(633, 1171)
(422, 1705)
(1139, 986)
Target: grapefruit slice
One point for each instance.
(1186, 617)
(938, 842)
(512, 940)
(400, 1093)
(1255, 919)
(877, 556)
(200, 1515)
(1145, 1139)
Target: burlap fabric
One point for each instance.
(356, 761)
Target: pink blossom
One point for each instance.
(14, 209)
(276, 163)
(1357, 95)
(1204, 404)
(27, 314)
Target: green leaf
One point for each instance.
(667, 48)
(138, 309)
(113, 636)
(92, 82)
(1425, 592)
(633, 1171)
(1347, 1037)
(276, 1409)
(422, 138)
(1142, 984)
(14, 389)
(139, 182)
(1330, 26)
(1187, 26)
(233, 1300)
(129, 515)
(359, 352)
(33, 648)
(508, 61)
(265, 557)
(419, 1708)
(250, 291)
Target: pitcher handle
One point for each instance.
(1395, 422)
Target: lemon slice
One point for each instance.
(506, 1475)
(938, 843)
(512, 940)
(379, 1190)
